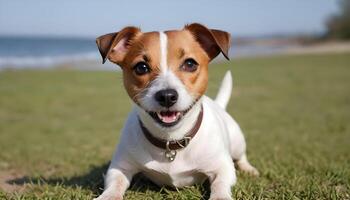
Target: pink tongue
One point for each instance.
(168, 117)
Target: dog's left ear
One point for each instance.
(212, 41)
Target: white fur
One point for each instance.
(163, 43)
(224, 93)
(210, 154)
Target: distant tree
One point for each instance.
(338, 26)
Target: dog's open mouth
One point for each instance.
(167, 118)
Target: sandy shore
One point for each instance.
(320, 48)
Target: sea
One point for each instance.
(80, 53)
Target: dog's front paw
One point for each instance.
(247, 168)
(220, 197)
(250, 170)
(104, 196)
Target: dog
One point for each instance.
(175, 135)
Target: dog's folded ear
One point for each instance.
(212, 41)
(114, 46)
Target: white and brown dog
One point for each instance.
(175, 135)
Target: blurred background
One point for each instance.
(61, 110)
(47, 34)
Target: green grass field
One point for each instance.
(58, 129)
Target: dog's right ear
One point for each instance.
(114, 46)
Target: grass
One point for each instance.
(58, 129)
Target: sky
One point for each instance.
(90, 18)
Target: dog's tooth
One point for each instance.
(159, 115)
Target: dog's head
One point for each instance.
(165, 73)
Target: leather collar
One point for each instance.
(173, 144)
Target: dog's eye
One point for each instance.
(141, 68)
(189, 65)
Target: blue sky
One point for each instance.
(89, 18)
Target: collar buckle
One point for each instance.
(186, 142)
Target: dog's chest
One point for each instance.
(177, 173)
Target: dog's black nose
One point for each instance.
(167, 97)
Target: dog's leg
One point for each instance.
(238, 149)
(117, 182)
(221, 182)
(244, 165)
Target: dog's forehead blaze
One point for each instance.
(181, 46)
(145, 48)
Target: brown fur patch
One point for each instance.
(184, 42)
(143, 49)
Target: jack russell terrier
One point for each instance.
(175, 135)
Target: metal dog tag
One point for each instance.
(170, 154)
